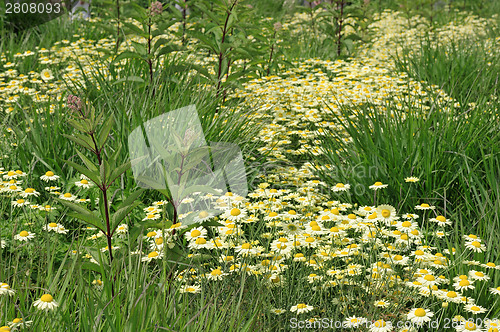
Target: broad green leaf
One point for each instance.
(168, 49)
(129, 79)
(90, 165)
(81, 140)
(105, 130)
(119, 171)
(82, 213)
(128, 55)
(120, 214)
(139, 48)
(91, 266)
(92, 175)
(135, 29)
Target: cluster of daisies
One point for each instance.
(12, 186)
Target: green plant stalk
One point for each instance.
(271, 55)
(117, 24)
(221, 53)
(340, 23)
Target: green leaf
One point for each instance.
(82, 213)
(106, 129)
(168, 49)
(90, 165)
(127, 55)
(91, 266)
(119, 171)
(120, 214)
(211, 223)
(92, 175)
(139, 48)
(82, 140)
(130, 79)
(78, 125)
(102, 173)
(135, 29)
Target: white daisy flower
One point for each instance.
(84, 183)
(380, 326)
(378, 185)
(475, 246)
(474, 309)
(419, 316)
(49, 176)
(24, 236)
(46, 302)
(6, 290)
(153, 255)
(301, 308)
(193, 289)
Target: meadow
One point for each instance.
(363, 186)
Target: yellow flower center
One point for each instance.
(441, 218)
(378, 183)
(67, 195)
(386, 213)
(470, 326)
(203, 214)
(216, 272)
(380, 323)
(246, 246)
(151, 234)
(424, 205)
(419, 252)
(235, 212)
(339, 185)
(420, 312)
(195, 233)
(49, 174)
(46, 298)
(20, 201)
(476, 244)
(472, 236)
(451, 294)
(301, 306)
(52, 224)
(159, 241)
(475, 308)
(292, 212)
(23, 234)
(29, 190)
(406, 224)
(479, 274)
(398, 257)
(464, 282)
(429, 277)
(152, 254)
(83, 181)
(200, 240)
